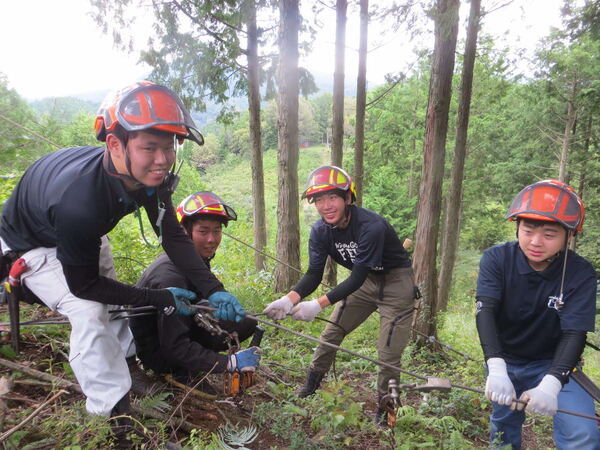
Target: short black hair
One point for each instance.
(188, 222)
(123, 135)
(539, 223)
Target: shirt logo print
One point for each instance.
(347, 250)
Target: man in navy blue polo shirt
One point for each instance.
(535, 304)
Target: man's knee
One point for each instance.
(333, 334)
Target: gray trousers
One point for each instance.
(392, 294)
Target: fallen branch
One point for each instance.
(32, 415)
(174, 422)
(61, 383)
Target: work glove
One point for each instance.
(228, 307)
(278, 309)
(498, 387)
(182, 305)
(542, 399)
(306, 311)
(244, 360)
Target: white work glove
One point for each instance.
(498, 387)
(542, 399)
(306, 310)
(278, 309)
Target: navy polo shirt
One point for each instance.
(527, 328)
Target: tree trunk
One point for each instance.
(430, 191)
(288, 220)
(361, 100)
(564, 154)
(584, 168)
(337, 125)
(453, 209)
(338, 84)
(258, 183)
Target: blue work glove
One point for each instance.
(244, 360)
(182, 299)
(228, 307)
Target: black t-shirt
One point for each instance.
(528, 329)
(68, 200)
(368, 243)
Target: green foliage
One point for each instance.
(157, 402)
(384, 195)
(486, 226)
(414, 431)
(200, 439)
(19, 147)
(284, 425)
(337, 410)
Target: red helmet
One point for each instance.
(146, 105)
(328, 178)
(204, 203)
(549, 200)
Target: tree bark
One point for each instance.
(569, 122)
(453, 209)
(361, 101)
(430, 191)
(258, 183)
(288, 230)
(584, 169)
(337, 125)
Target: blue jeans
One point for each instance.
(570, 432)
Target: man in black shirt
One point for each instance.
(381, 277)
(68, 200)
(176, 344)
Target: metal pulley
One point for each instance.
(391, 402)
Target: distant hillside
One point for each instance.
(64, 109)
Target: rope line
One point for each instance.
(396, 368)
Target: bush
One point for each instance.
(485, 226)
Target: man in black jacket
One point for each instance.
(176, 344)
(67, 201)
(381, 278)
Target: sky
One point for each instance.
(54, 48)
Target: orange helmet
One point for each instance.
(328, 178)
(549, 200)
(204, 203)
(144, 105)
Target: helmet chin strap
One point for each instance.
(130, 177)
(557, 302)
(344, 220)
(110, 168)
